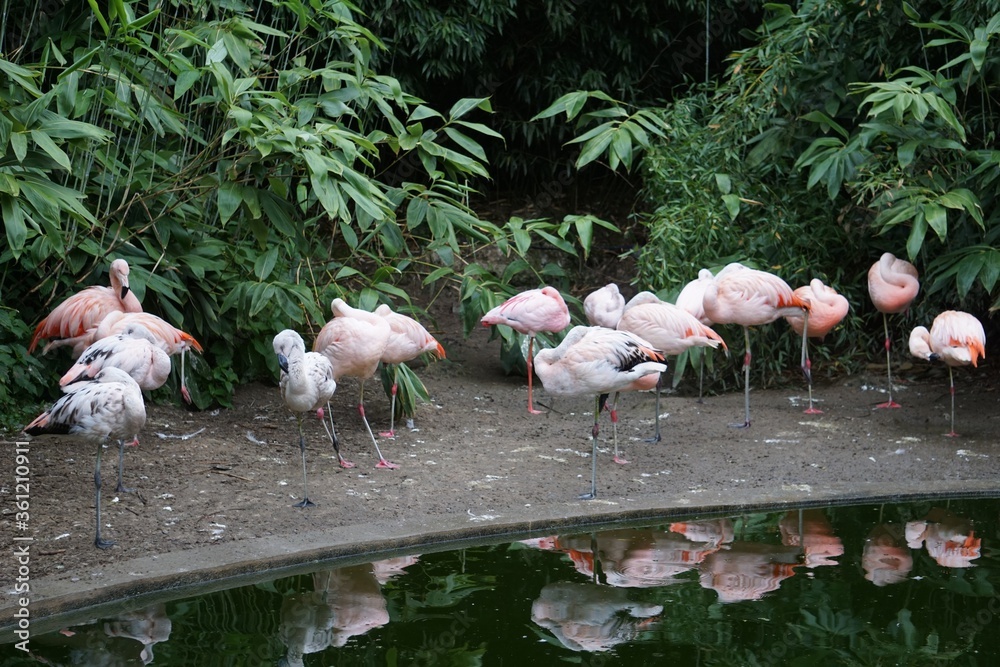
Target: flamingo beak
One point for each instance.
(282, 362)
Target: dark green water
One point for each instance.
(907, 584)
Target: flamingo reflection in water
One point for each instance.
(345, 602)
(88, 644)
(811, 531)
(748, 570)
(886, 559)
(948, 538)
(588, 617)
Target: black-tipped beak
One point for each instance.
(124, 291)
(82, 377)
(934, 356)
(282, 362)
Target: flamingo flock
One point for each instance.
(122, 351)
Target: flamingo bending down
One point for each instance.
(749, 297)
(957, 339)
(828, 308)
(169, 338)
(135, 350)
(307, 385)
(669, 329)
(73, 321)
(531, 313)
(409, 339)
(109, 406)
(893, 284)
(354, 342)
(692, 299)
(596, 360)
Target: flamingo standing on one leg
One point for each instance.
(170, 339)
(136, 351)
(408, 341)
(354, 342)
(307, 385)
(749, 297)
(957, 339)
(692, 299)
(596, 360)
(669, 329)
(531, 313)
(72, 322)
(893, 285)
(828, 308)
(109, 406)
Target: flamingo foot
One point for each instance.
(186, 394)
(101, 543)
(951, 435)
(305, 503)
(812, 411)
(386, 465)
(620, 460)
(121, 488)
(888, 404)
(532, 411)
(587, 496)
(344, 463)
(387, 434)
(134, 443)
(743, 425)
(653, 439)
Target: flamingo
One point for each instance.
(354, 342)
(109, 406)
(893, 284)
(169, 338)
(531, 313)
(669, 329)
(828, 308)
(692, 299)
(749, 297)
(307, 385)
(604, 307)
(957, 339)
(135, 350)
(409, 339)
(72, 322)
(596, 360)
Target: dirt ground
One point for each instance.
(476, 453)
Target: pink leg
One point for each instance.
(888, 366)
(614, 427)
(951, 377)
(331, 433)
(811, 410)
(391, 433)
(531, 406)
(382, 462)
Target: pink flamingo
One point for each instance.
(169, 338)
(109, 406)
(669, 329)
(72, 322)
(748, 297)
(692, 299)
(827, 309)
(893, 284)
(530, 313)
(596, 360)
(957, 339)
(604, 307)
(354, 342)
(307, 385)
(409, 339)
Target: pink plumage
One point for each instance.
(893, 284)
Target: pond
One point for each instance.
(902, 584)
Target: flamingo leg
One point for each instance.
(807, 366)
(98, 541)
(701, 375)
(121, 488)
(593, 452)
(331, 432)
(951, 380)
(656, 432)
(746, 379)
(888, 365)
(614, 428)
(531, 404)
(302, 450)
(391, 433)
(184, 390)
(382, 462)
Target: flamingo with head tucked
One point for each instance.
(957, 339)
(692, 299)
(749, 297)
(74, 320)
(827, 309)
(531, 313)
(893, 284)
